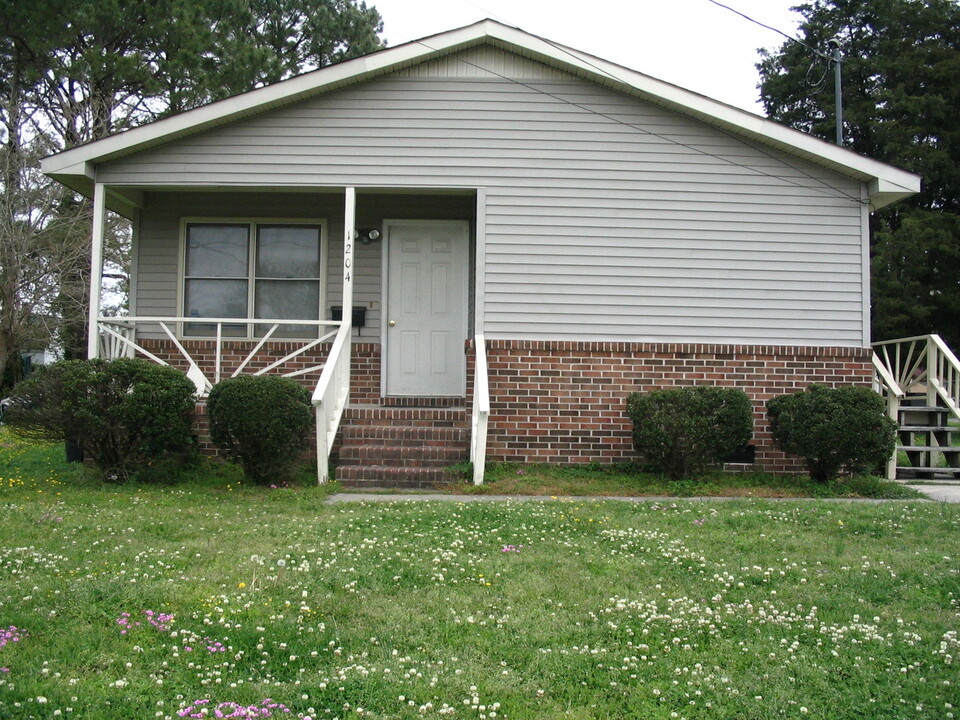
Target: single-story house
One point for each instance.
(522, 234)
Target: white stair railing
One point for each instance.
(919, 365)
(885, 384)
(923, 365)
(481, 412)
(944, 373)
(330, 399)
(118, 339)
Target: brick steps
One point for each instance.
(384, 476)
(402, 446)
(400, 455)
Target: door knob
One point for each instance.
(392, 323)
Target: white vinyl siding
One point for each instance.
(607, 217)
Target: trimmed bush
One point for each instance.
(681, 431)
(834, 429)
(126, 413)
(263, 422)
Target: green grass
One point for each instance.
(627, 480)
(559, 609)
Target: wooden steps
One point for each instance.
(402, 445)
(925, 439)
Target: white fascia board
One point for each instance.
(883, 191)
(78, 169)
(899, 183)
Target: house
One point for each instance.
(524, 234)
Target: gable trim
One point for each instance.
(74, 167)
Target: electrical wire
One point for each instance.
(827, 189)
(769, 27)
(820, 85)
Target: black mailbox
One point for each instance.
(359, 315)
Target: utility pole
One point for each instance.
(837, 57)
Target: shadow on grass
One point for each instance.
(627, 479)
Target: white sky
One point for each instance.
(690, 43)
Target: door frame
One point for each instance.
(464, 225)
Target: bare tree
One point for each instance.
(42, 238)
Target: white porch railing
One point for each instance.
(119, 342)
(481, 412)
(921, 365)
(330, 398)
(118, 339)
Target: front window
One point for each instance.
(266, 270)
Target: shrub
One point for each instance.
(834, 429)
(263, 422)
(126, 413)
(35, 406)
(683, 430)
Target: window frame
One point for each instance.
(252, 224)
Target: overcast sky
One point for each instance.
(691, 43)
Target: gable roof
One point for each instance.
(76, 167)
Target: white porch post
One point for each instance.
(328, 413)
(96, 269)
(349, 240)
(346, 318)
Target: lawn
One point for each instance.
(626, 479)
(168, 602)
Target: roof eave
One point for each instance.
(887, 184)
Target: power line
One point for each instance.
(828, 189)
(770, 27)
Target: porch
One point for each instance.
(198, 256)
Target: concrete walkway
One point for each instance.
(945, 492)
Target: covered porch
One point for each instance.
(229, 281)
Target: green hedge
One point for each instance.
(681, 431)
(263, 422)
(126, 413)
(834, 429)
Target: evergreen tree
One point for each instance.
(901, 101)
(75, 72)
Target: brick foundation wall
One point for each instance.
(565, 402)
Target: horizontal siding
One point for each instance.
(483, 61)
(607, 218)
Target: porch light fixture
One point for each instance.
(368, 236)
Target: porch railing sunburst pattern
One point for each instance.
(118, 339)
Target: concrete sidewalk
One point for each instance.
(945, 492)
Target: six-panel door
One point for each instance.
(426, 307)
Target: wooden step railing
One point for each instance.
(917, 366)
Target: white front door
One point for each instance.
(426, 307)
